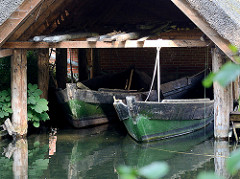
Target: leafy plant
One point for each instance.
(154, 170)
(5, 104)
(227, 74)
(37, 106)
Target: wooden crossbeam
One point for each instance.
(32, 19)
(100, 44)
(17, 18)
(6, 53)
(193, 15)
(45, 19)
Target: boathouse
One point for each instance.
(111, 35)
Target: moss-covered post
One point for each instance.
(222, 99)
(19, 91)
(43, 71)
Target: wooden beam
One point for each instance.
(44, 20)
(222, 99)
(193, 15)
(43, 71)
(32, 19)
(19, 91)
(100, 44)
(17, 19)
(5, 53)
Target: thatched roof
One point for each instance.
(223, 16)
(20, 20)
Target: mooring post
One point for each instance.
(19, 91)
(43, 71)
(222, 99)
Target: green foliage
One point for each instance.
(227, 74)
(208, 175)
(233, 163)
(153, 171)
(5, 104)
(37, 106)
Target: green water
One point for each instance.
(97, 152)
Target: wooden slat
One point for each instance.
(44, 20)
(32, 19)
(6, 53)
(100, 44)
(193, 15)
(235, 116)
(16, 19)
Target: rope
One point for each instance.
(189, 153)
(157, 60)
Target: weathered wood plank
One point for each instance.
(17, 18)
(45, 19)
(19, 91)
(222, 43)
(235, 116)
(100, 44)
(222, 99)
(6, 52)
(43, 71)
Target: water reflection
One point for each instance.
(97, 152)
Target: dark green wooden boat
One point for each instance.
(94, 105)
(151, 120)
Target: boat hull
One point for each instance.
(85, 108)
(147, 121)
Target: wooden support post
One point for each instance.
(61, 67)
(221, 153)
(222, 99)
(43, 71)
(82, 64)
(95, 62)
(19, 91)
(236, 89)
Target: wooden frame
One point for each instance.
(101, 44)
(17, 19)
(6, 53)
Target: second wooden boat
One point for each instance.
(91, 102)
